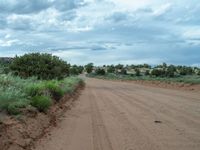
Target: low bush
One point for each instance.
(100, 71)
(42, 103)
(54, 89)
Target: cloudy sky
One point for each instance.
(103, 31)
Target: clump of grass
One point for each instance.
(56, 91)
(34, 89)
(12, 98)
(42, 103)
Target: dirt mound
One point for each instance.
(21, 132)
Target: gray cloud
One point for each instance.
(23, 6)
(103, 31)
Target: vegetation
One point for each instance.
(76, 70)
(100, 71)
(89, 67)
(42, 103)
(16, 93)
(42, 66)
(35, 80)
(163, 72)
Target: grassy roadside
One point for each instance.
(189, 79)
(17, 93)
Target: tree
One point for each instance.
(198, 73)
(111, 69)
(119, 66)
(170, 72)
(89, 67)
(157, 72)
(137, 72)
(76, 70)
(184, 70)
(100, 71)
(147, 73)
(43, 66)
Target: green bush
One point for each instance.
(43, 66)
(55, 90)
(100, 71)
(89, 67)
(137, 72)
(42, 103)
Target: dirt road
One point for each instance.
(123, 116)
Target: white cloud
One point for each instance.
(7, 43)
(162, 9)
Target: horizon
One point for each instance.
(103, 31)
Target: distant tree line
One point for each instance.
(46, 66)
(162, 70)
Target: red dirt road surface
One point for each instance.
(126, 116)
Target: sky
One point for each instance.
(103, 31)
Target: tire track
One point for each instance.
(101, 139)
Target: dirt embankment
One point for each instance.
(21, 132)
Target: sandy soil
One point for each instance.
(125, 116)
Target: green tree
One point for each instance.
(137, 72)
(198, 73)
(100, 71)
(147, 73)
(89, 67)
(111, 69)
(42, 65)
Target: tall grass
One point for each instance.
(17, 93)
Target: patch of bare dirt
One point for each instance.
(21, 132)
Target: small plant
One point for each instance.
(55, 90)
(14, 108)
(42, 103)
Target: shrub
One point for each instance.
(100, 71)
(42, 103)
(147, 73)
(76, 70)
(55, 90)
(43, 66)
(158, 73)
(198, 73)
(111, 69)
(89, 67)
(137, 72)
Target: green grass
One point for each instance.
(42, 103)
(190, 79)
(17, 93)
